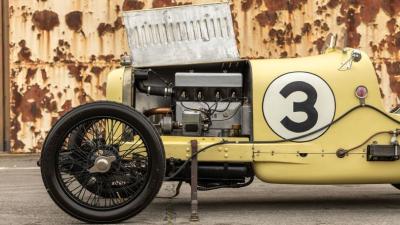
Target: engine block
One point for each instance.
(208, 86)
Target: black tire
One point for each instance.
(396, 186)
(54, 143)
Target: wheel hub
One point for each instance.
(102, 164)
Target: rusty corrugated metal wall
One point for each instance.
(61, 51)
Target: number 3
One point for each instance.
(307, 106)
(297, 103)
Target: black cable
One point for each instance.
(343, 152)
(194, 155)
(237, 110)
(177, 192)
(226, 108)
(206, 113)
(224, 99)
(365, 142)
(204, 102)
(209, 112)
(383, 113)
(312, 132)
(198, 110)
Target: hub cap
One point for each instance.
(102, 164)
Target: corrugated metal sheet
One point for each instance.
(62, 50)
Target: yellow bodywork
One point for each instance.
(311, 162)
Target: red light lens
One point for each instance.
(361, 92)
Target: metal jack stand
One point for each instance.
(194, 216)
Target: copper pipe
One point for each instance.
(157, 111)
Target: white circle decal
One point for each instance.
(297, 104)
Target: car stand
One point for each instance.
(194, 216)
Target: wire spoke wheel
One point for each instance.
(93, 169)
(103, 162)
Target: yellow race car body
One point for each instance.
(310, 160)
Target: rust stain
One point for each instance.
(325, 27)
(275, 5)
(45, 20)
(321, 10)
(67, 106)
(391, 25)
(62, 53)
(74, 20)
(102, 88)
(352, 20)
(83, 97)
(104, 28)
(76, 71)
(246, 5)
(132, 5)
(319, 43)
(30, 74)
(14, 122)
(391, 7)
(24, 55)
(107, 58)
(393, 43)
(88, 79)
(333, 3)
(297, 39)
(96, 70)
(393, 69)
(44, 75)
(15, 128)
(163, 3)
(267, 18)
(30, 104)
(306, 29)
(279, 36)
(369, 10)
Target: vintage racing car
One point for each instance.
(186, 108)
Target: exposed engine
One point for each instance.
(195, 103)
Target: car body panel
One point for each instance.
(311, 161)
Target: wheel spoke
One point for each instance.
(104, 137)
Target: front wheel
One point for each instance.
(396, 186)
(115, 169)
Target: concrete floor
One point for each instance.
(23, 200)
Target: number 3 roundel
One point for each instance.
(298, 103)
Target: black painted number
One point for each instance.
(307, 106)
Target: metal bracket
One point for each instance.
(355, 56)
(194, 216)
